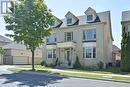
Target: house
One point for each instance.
(116, 55)
(88, 37)
(16, 53)
(3, 41)
(126, 20)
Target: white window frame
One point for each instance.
(92, 52)
(68, 23)
(66, 36)
(91, 19)
(52, 36)
(92, 33)
(53, 52)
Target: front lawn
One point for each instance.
(111, 70)
(87, 75)
(112, 73)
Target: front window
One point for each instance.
(89, 52)
(51, 53)
(89, 17)
(51, 38)
(89, 34)
(69, 20)
(68, 36)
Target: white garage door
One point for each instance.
(20, 60)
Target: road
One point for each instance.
(20, 79)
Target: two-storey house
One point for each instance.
(88, 37)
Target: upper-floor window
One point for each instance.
(51, 38)
(51, 53)
(68, 36)
(89, 18)
(89, 34)
(89, 52)
(69, 20)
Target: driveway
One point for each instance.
(20, 79)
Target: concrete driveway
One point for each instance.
(10, 79)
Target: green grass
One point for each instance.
(111, 70)
(29, 66)
(92, 76)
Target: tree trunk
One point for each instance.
(33, 69)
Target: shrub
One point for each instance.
(100, 65)
(43, 63)
(77, 63)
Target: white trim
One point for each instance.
(90, 44)
(51, 46)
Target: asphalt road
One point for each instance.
(10, 79)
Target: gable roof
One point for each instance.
(70, 13)
(4, 39)
(90, 10)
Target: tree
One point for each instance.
(30, 23)
(2, 51)
(125, 49)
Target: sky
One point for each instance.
(78, 7)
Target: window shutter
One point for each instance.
(65, 36)
(72, 36)
(83, 35)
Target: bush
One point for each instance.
(77, 63)
(43, 63)
(100, 65)
(118, 63)
(125, 51)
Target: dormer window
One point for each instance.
(89, 18)
(69, 20)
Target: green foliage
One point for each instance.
(30, 23)
(77, 63)
(100, 65)
(43, 63)
(125, 51)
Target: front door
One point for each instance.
(68, 57)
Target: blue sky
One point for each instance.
(61, 7)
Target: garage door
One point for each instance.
(20, 60)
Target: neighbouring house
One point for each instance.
(116, 55)
(88, 37)
(18, 54)
(3, 41)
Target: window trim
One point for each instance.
(69, 21)
(54, 38)
(92, 18)
(93, 35)
(92, 52)
(66, 36)
(53, 52)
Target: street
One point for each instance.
(19, 79)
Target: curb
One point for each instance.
(45, 74)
